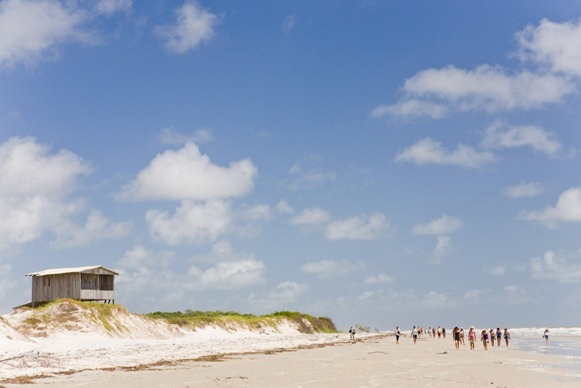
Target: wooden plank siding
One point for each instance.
(96, 284)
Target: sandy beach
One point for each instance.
(370, 361)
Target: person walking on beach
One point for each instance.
(434, 332)
(352, 332)
(439, 332)
(546, 336)
(492, 337)
(415, 334)
(444, 332)
(472, 337)
(462, 336)
(498, 336)
(456, 335)
(397, 334)
(506, 336)
(484, 338)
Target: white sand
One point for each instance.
(68, 346)
(375, 361)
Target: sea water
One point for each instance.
(563, 341)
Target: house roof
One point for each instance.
(58, 271)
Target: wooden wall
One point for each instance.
(73, 285)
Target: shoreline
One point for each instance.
(370, 360)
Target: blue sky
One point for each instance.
(381, 163)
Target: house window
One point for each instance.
(46, 281)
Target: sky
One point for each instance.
(380, 163)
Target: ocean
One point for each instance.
(563, 341)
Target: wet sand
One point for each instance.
(370, 362)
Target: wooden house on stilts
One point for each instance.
(94, 283)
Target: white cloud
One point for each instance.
(556, 267)
(434, 300)
(554, 45)
(380, 278)
(500, 135)
(193, 27)
(311, 216)
(284, 207)
(357, 228)
(170, 136)
(511, 288)
(97, 227)
(443, 225)
(428, 151)
(31, 30)
(145, 270)
(308, 177)
(108, 7)
(287, 292)
(258, 212)
(443, 247)
(499, 270)
(329, 268)
(523, 189)
(432, 92)
(567, 209)
(7, 282)
(228, 275)
(411, 107)
(34, 189)
(191, 222)
(187, 174)
(471, 294)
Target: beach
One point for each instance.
(372, 360)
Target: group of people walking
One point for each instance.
(486, 336)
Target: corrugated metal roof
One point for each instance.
(57, 271)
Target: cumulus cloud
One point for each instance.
(191, 222)
(357, 228)
(380, 278)
(194, 26)
(33, 30)
(567, 209)
(552, 48)
(440, 227)
(500, 135)
(187, 174)
(311, 216)
(443, 225)
(229, 275)
(172, 137)
(434, 92)
(560, 268)
(139, 267)
(434, 300)
(287, 292)
(284, 207)
(557, 46)
(428, 151)
(34, 189)
(411, 107)
(330, 268)
(523, 189)
(305, 175)
(108, 7)
(30, 30)
(96, 227)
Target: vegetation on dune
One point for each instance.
(68, 310)
(194, 318)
